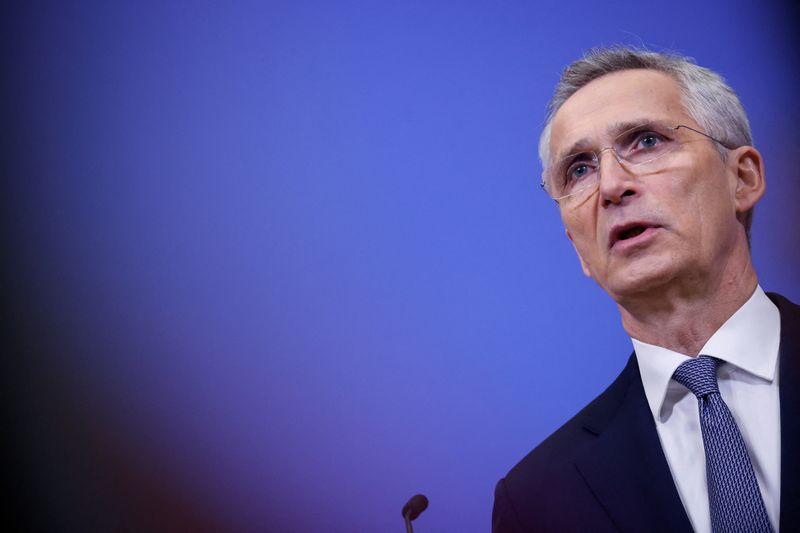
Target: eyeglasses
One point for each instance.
(575, 177)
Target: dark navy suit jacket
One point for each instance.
(604, 470)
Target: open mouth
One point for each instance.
(629, 232)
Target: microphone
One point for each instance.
(413, 508)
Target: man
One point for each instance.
(649, 159)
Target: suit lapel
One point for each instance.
(790, 413)
(625, 466)
(645, 498)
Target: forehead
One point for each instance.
(618, 98)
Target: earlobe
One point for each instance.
(749, 171)
(584, 265)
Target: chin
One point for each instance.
(637, 279)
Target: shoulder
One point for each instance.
(546, 479)
(788, 309)
(549, 457)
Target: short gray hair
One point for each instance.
(708, 98)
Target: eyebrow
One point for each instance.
(615, 128)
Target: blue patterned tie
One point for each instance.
(733, 494)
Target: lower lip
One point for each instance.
(643, 238)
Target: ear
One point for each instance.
(748, 169)
(584, 264)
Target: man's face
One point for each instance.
(687, 210)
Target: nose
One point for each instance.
(616, 181)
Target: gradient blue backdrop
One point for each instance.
(277, 266)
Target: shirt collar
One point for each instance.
(748, 340)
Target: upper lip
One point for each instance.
(617, 230)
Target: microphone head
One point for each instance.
(415, 506)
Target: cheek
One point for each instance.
(582, 232)
(579, 217)
(700, 202)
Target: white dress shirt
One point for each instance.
(748, 382)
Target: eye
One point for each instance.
(578, 170)
(648, 141)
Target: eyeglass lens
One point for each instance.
(639, 145)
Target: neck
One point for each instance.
(683, 316)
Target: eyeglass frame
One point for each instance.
(620, 159)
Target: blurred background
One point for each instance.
(278, 266)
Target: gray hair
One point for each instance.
(708, 98)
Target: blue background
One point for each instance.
(281, 265)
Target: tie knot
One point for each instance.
(699, 375)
